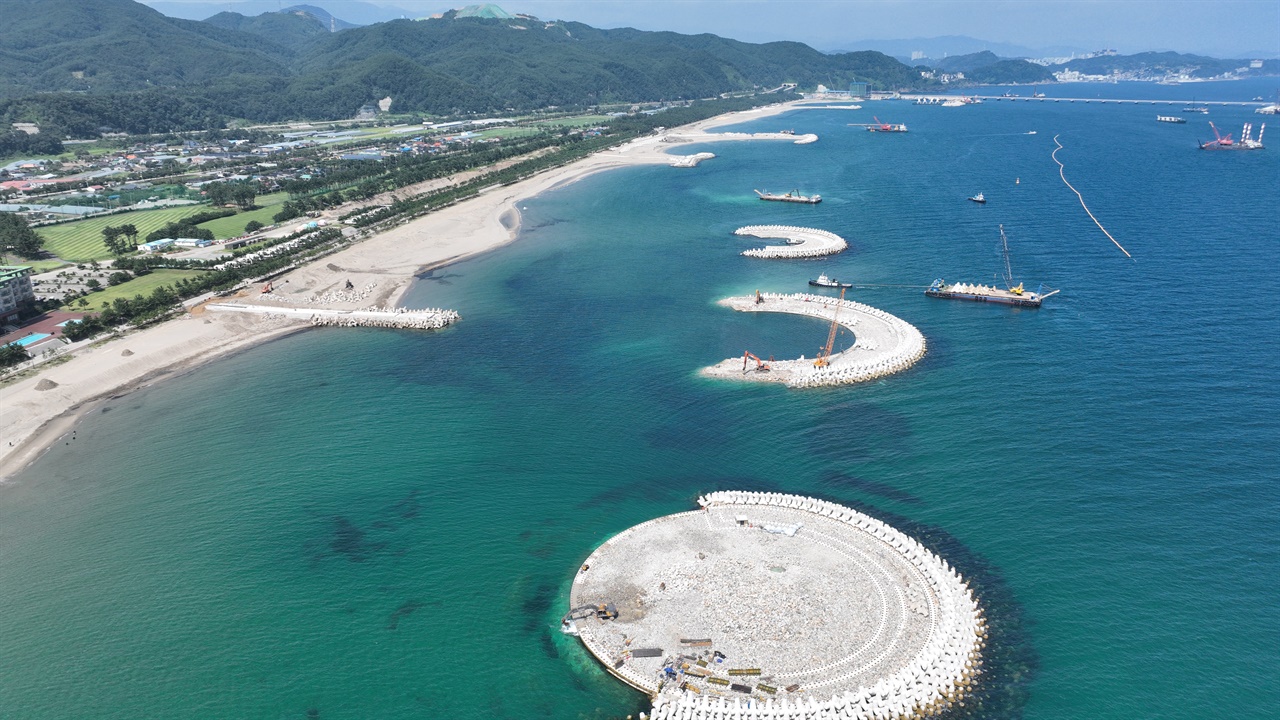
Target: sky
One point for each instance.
(1224, 28)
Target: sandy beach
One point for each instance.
(33, 415)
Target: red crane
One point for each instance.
(1221, 140)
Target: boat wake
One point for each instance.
(1062, 175)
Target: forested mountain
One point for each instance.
(293, 30)
(1010, 71)
(1159, 63)
(281, 66)
(965, 63)
(113, 45)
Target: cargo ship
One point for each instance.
(1171, 119)
(1009, 295)
(793, 196)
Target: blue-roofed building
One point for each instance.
(156, 245)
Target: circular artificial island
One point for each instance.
(762, 605)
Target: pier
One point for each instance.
(885, 344)
(802, 242)
(778, 607)
(431, 319)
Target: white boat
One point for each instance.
(979, 198)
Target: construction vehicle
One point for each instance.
(761, 366)
(759, 298)
(824, 353)
(266, 288)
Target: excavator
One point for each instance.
(761, 366)
(824, 353)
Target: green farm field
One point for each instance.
(233, 225)
(138, 286)
(81, 241)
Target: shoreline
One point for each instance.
(387, 264)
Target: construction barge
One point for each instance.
(791, 197)
(1224, 142)
(1009, 295)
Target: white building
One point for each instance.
(15, 290)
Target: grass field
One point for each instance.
(507, 132)
(40, 266)
(137, 286)
(579, 121)
(81, 241)
(233, 226)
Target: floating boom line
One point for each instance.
(1063, 175)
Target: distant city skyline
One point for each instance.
(1230, 28)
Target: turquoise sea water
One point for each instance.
(373, 524)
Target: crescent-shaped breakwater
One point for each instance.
(802, 242)
(778, 607)
(885, 344)
(429, 319)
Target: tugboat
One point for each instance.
(979, 199)
(824, 281)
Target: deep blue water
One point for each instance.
(357, 524)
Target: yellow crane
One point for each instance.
(824, 353)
